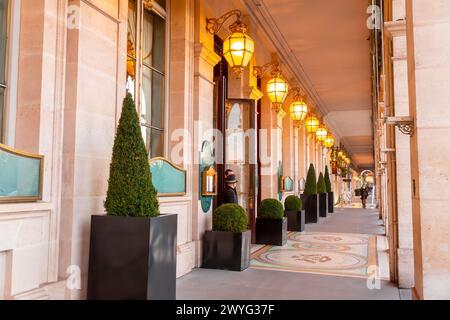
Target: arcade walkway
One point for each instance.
(268, 284)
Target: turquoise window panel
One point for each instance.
(288, 184)
(20, 176)
(168, 179)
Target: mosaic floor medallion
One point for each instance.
(324, 253)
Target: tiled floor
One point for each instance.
(256, 284)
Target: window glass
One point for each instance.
(146, 71)
(3, 50)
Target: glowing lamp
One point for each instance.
(312, 124)
(298, 110)
(321, 133)
(277, 90)
(329, 141)
(238, 49)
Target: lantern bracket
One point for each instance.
(298, 94)
(259, 71)
(404, 124)
(213, 25)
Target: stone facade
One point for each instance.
(69, 80)
(69, 96)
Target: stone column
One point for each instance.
(288, 144)
(405, 259)
(96, 61)
(428, 28)
(270, 144)
(39, 125)
(201, 118)
(302, 140)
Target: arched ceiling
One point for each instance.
(326, 46)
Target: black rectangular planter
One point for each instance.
(323, 205)
(226, 250)
(271, 231)
(296, 220)
(311, 206)
(330, 202)
(132, 258)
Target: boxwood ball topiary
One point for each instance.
(293, 203)
(321, 187)
(130, 188)
(271, 209)
(327, 179)
(230, 217)
(311, 183)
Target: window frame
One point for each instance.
(156, 9)
(5, 85)
(11, 74)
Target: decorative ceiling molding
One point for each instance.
(265, 23)
(262, 18)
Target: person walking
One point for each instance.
(364, 196)
(230, 193)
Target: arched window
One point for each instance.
(146, 68)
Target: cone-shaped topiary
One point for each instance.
(293, 203)
(130, 188)
(311, 184)
(230, 217)
(327, 179)
(321, 187)
(271, 209)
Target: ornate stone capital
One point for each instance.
(207, 54)
(281, 113)
(395, 28)
(255, 94)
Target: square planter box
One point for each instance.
(323, 205)
(330, 202)
(296, 220)
(311, 206)
(132, 258)
(271, 231)
(226, 250)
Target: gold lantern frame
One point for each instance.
(277, 87)
(298, 108)
(321, 133)
(312, 123)
(238, 47)
(329, 141)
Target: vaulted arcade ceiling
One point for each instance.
(327, 41)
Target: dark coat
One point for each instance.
(230, 195)
(364, 193)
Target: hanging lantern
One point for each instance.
(312, 124)
(329, 141)
(321, 133)
(238, 48)
(277, 90)
(298, 110)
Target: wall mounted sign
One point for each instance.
(287, 184)
(207, 165)
(168, 178)
(21, 175)
(301, 185)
